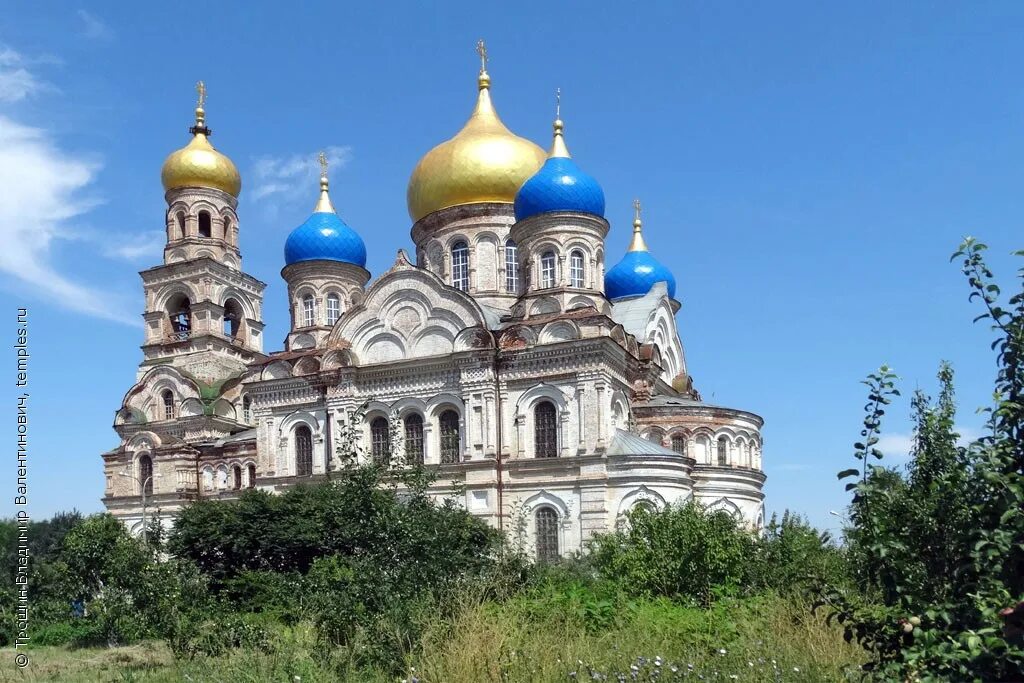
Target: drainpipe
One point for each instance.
(497, 440)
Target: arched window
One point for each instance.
(250, 470)
(236, 476)
(168, 398)
(654, 436)
(449, 437)
(179, 310)
(208, 479)
(511, 268)
(247, 410)
(204, 224)
(414, 438)
(545, 430)
(547, 534)
(303, 451)
(679, 444)
(146, 474)
(232, 318)
(723, 451)
(227, 229)
(308, 311)
(547, 269)
(333, 308)
(576, 268)
(181, 225)
(380, 440)
(460, 266)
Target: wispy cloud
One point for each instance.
(93, 28)
(899, 445)
(292, 178)
(43, 190)
(16, 82)
(145, 247)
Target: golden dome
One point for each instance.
(198, 164)
(484, 162)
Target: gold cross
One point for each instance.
(481, 50)
(322, 158)
(636, 209)
(558, 103)
(201, 89)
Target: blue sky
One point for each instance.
(806, 170)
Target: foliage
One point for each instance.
(683, 552)
(939, 551)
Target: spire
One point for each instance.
(558, 148)
(637, 244)
(483, 80)
(200, 125)
(323, 205)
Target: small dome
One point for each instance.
(324, 236)
(198, 164)
(483, 162)
(559, 185)
(638, 270)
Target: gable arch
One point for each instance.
(545, 498)
(639, 495)
(558, 331)
(279, 369)
(529, 398)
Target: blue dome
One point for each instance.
(324, 237)
(559, 185)
(635, 274)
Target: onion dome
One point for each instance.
(324, 236)
(559, 185)
(638, 270)
(198, 164)
(484, 162)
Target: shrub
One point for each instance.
(684, 552)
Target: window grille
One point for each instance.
(547, 535)
(449, 437)
(168, 405)
(545, 430)
(380, 441)
(146, 474)
(414, 438)
(679, 444)
(723, 455)
(303, 451)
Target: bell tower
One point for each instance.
(203, 313)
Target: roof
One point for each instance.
(633, 313)
(628, 443)
(247, 435)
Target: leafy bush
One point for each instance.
(684, 552)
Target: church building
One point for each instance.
(550, 393)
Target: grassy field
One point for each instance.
(764, 639)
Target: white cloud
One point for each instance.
(41, 192)
(145, 247)
(899, 445)
(94, 29)
(16, 82)
(287, 179)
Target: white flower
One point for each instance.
(722, 651)
(796, 669)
